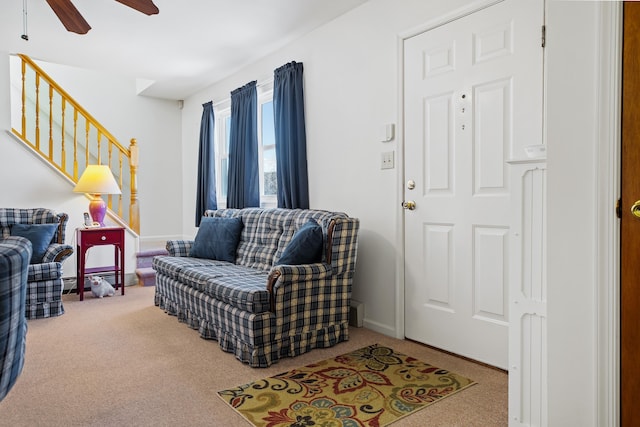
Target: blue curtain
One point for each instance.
(206, 188)
(291, 140)
(244, 185)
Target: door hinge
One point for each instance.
(544, 35)
(619, 208)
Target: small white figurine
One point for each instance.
(100, 287)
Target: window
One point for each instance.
(266, 149)
(223, 128)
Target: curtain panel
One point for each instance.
(244, 184)
(291, 140)
(206, 186)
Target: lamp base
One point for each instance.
(97, 209)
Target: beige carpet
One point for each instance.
(123, 361)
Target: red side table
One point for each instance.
(89, 237)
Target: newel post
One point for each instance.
(134, 209)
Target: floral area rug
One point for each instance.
(372, 386)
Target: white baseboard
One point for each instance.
(380, 328)
(130, 279)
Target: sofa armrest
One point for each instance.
(283, 278)
(302, 272)
(179, 247)
(57, 252)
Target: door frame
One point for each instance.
(607, 257)
(608, 237)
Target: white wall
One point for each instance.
(5, 102)
(572, 139)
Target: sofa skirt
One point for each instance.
(44, 299)
(254, 338)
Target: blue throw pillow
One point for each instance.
(217, 239)
(40, 236)
(305, 247)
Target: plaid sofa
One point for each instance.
(15, 253)
(256, 310)
(44, 282)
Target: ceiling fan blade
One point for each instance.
(69, 16)
(145, 6)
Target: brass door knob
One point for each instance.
(635, 209)
(409, 204)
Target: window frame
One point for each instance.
(222, 115)
(221, 143)
(265, 95)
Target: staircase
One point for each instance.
(69, 139)
(65, 135)
(144, 259)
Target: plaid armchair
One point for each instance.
(15, 253)
(44, 281)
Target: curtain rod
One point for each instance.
(258, 85)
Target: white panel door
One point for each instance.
(473, 102)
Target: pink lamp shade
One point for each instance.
(97, 180)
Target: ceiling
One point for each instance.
(189, 45)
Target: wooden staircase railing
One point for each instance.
(71, 139)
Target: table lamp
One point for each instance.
(95, 181)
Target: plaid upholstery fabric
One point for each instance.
(179, 247)
(198, 276)
(44, 292)
(255, 310)
(172, 266)
(15, 253)
(244, 291)
(267, 232)
(45, 283)
(44, 271)
(44, 299)
(10, 216)
(302, 217)
(344, 244)
(57, 252)
(259, 235)
(242, 286)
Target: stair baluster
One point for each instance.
(98, 142)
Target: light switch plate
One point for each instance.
(387, 160)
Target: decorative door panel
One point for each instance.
(473, 102)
